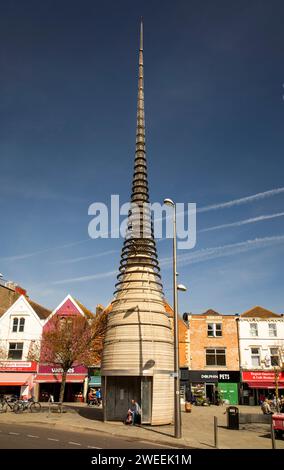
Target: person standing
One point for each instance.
(99, 396)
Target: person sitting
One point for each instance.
(136, 412)
(128, 417)
(266, 408)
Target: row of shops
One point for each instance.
(232, 387)
(30, 379)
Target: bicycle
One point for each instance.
(95, 402)
(31, 404)
(5, 404)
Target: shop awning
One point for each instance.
(13, 378)
(49, 378)
(95, 381)
(264, 385)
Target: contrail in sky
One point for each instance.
(242, 200)
(243, 222)
(197, 256)
(222, 205)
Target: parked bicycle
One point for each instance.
(6, 403)
(95, 402)
(30, 404)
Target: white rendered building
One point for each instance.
(20, 331)
(261, 349)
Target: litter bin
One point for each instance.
(232, 417)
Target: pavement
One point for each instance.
(198, 428)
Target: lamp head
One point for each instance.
(181, 287)
(169, 202)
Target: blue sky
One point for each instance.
(214, 75)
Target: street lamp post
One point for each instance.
(176, 287)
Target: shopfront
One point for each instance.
(17, 378)
(213, 386)
(49, 379)
(257, 385)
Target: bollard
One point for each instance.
(273, 442)
(216, 432)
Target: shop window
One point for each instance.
(272, 329)
(274, 356)
(15, 325)
(214, 329)
(215, 357)
(253, 329)
(255, 357)
(15, 350)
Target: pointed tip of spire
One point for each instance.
(141, 34)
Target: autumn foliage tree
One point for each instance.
(73, 340)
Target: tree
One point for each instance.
(3, 352)
(34, 351)
(73, 340)
(277, 370)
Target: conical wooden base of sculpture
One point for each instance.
(138, 353)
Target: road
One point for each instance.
(14, 436)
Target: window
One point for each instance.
(272, 329)
(255, 357)
(214, 329)
(274, 357)
(18, 325)
(15, 325)
(215, 357)
(15, 350)
(22, 324)
(253, 329)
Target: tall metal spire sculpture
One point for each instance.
(138, 350)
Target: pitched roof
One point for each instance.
(9, 296)
(85, 310)
(210, 312)
(259, 312)
(41, 311)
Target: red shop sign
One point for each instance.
(18, 366)
(262, 375)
